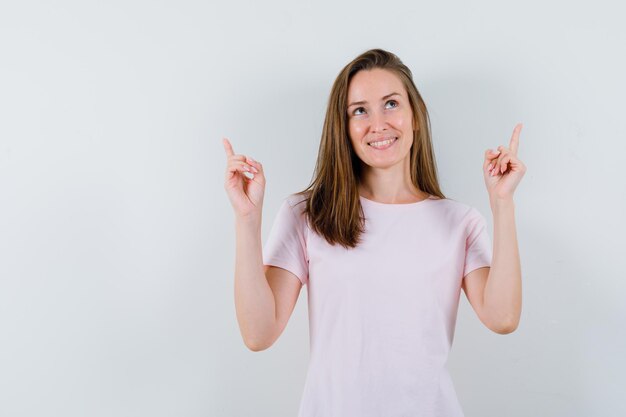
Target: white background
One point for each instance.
(117, 238)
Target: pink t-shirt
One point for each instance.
(382, 315)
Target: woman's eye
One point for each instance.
(356, 111)
(394, 102)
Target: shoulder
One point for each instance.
(295, 204)
(296, 201)
(456, 215)
(456, 209)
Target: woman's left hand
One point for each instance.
(502, 170)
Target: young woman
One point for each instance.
(383, 252)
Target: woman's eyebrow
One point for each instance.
(365, 102)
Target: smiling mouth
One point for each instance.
(383, 144)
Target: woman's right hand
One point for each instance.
(245, 194)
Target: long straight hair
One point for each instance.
(333, 208)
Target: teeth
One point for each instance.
(381, 143)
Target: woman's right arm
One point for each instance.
(254, 299)
(264, 296)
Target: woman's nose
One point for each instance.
(378, 122)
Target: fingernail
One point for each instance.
(489, 167)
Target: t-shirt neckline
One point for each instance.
(378, 204)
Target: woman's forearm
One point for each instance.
(254, 299)
(503, 290)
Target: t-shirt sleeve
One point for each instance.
(286, 246)
(478, 249)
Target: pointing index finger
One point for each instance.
(515, 139)
(227, 147)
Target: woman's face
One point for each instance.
(379, 110)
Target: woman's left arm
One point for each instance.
(496, 292)
(503, 291)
